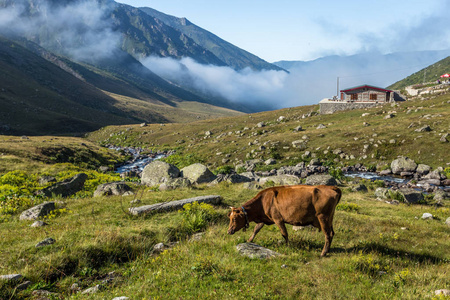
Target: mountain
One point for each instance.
(225, 51)
(317, 79)
(429, 74)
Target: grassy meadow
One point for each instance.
(380, 250)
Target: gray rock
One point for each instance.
(440, 195)
(92, 290)
(121, 298)
(157, 172)
(443, 138)
(411, 196)
(38, 224)
(252, 250)
(37, 211)
(298, 128)
(436, 174)
(173, 205)
(281, 180)
(67, 187)
(382, 193)
(299, 144)
(174, 183)
(314, 162)
(443, 292)
(447, 221)
(423, 129)
(321, 180)
(360, 188)
(385, 172)
(427, 216)
(46, 242)
(423, 169)
(252, 186)
(321, 126)
(270, 161)
(112, 188)
(403, 164)
(261, 124)
(103, 169)
(24, 285)
(11, 277)
(198, 173)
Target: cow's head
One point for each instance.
(238, 220)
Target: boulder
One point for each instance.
(46, 242)
(385, 172)
(37, 211)
(11, 277)
(411, 196)
(427, 216)
(174, 183)
(112, 188)
(173, 205)
(281, 180)
(435, 175)
(403, 164)
(382, 193)
(270, 161)
(157, 172)
(197, 173)
(299, 144)
(67, 187)
(440, 195)
(423, 128)
(321, 180)
(423, 169)
(252, 250)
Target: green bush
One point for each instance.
(181, 161)
(349, 207)
(336, 173)
(196, 217)
(223, 170)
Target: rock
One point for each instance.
(270, 161)
(197, 237)
(389, 116)
(427, 216)
(435, 175)
(443, 292)
(44, 180)
(103, 169)
(385, 172)
(447, 221)
(360, 188)
(261, 124)
(423, 169)
(403, 164)
(314, 162)
(37, 211)
(382, 193)
(173, 205)
(406, 174)
(299, 144)
(252, 250)
(67, 187)
(157, 172)
(46, 242)
(38, 224)
(120, 298)
(11, 277)
(197, 173)
(208, 133)
(443, 138)
(320, 180)
(440, 195)
(321, 126)
(174, 183)
(252, 186)
(281, 180)
(112, 188)
(411, 196)
(281, 119)
(298, 128)
(92, 290)
(423, 129)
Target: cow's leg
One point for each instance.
(283, 231)
(328, 231)
(255, 231)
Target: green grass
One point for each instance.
(371, 256)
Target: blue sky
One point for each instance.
(305, 30)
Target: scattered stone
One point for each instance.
(24, 137)
(67, 187)
(44, 180)
(197, 173)
(443, 138)
(46, 242)
(404, 228)
(385, 172)
(389, 116)
(283, 179)
(174, 205)
(447, 221)
(443, 292)
(38, 224)
(157, 172)
(92, 290)
(423, 169)
(121, 298)
(11, 277)
(43, 293)
(252, 186)
(423, 129)
(103, 169)
(196, 237)
(261, 124)
(403, 164)
(270, 161)
(382, 193)
(298, 128)
(320, 180)
(143, 124)
(112, 188)
(410, 195)
(174, 183)
(299, 144)
(281, 119)
(427, 216)
(360, 188)
(440, 195)
(321, 126)
(252, 250)
(37, 211)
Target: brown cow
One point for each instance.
(298, 205)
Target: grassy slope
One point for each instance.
(238, 136)
(371, 256)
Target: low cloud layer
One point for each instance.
(80, 29)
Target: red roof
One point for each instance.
(370, 87)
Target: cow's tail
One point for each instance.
(339, 194)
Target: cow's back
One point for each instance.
(300, 204)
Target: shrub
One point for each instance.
(195, 216)
(349, 207)
(336, 173)
(369, 264)
(181, 161)
(223, 170)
